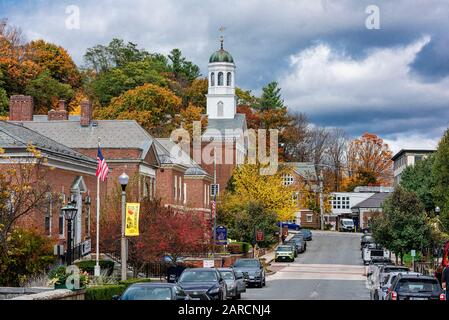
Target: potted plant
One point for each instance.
(59, 275)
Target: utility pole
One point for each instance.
(321, 201)
(215, 200)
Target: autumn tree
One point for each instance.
(336, 156)
(151, 106)
(162, 231)
(249, 185)
(195, 94)
(24, 191)
(369, 159)
(295, 138)
(55, 60)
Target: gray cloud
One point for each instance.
(263, 35)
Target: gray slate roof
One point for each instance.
(17, 136)
(221, 125)
(375, 201)
(112, 133)
(170, 153)
(304, 169)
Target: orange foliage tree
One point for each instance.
(369, 162)
(153, 107)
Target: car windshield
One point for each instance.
(284, 248)
(368, 239)
(147, 293)
(417, 285)
(198, 276)
(227, 275)
(247, 264)
(348, 222)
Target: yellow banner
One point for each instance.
(132, 219)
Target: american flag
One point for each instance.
(102, 166)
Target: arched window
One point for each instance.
(212, 79)
(229, 79)
(220, 78)
(220, 111)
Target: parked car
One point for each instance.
(299, 239)
(366, 239)
(386, 269)
(284, 253)
(253, 271)
(296, 246)
(382, 292)
(415, 287)
(346, 225)
(290, 225)
(373, 252)
(153, 291)
(203, 284)
(234, 282)
(307, 234)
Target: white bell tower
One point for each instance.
(221, 98)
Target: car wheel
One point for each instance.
(264, 282)
(297, 228)
(238, 296)
(376, 295)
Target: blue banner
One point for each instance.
(221, 236)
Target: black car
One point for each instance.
(415, 287)
(299, 239)
(153, 291)
(253, 271)
(203, 284)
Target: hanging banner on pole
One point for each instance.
(132, 219)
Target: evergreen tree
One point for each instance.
(441, 173)
(271, 98)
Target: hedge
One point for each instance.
(104, 292)
(107, 291)
(89, 266)
(238, 247)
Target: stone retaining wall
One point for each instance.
(40, 294)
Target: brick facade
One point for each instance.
(21, 108)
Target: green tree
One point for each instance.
(46, 91)
(403, 225)
(3, 97)
(112, 83)
(181, 68)
(441, 173)
(243, 218)
(116, 54)
(420, 179)
(271, 98)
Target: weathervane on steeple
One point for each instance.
(222, 29)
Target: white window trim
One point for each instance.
(176, 187)
(309, 218)
(185, 193)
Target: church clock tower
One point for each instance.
(221, 98)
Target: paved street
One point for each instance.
(331, 268)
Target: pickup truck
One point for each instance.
(373, 252)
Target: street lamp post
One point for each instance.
(69, 212)
(123, 179)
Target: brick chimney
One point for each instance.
(21, 108)
(60, 114)
(86, 113)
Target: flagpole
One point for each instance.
(97, 270)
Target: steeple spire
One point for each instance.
(222, 29)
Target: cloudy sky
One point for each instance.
(393, 81)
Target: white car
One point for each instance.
(346, 225)
(382, 292)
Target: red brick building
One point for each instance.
(70, 175)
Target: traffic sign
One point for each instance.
(259, 236)
(413, 253)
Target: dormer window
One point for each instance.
(212, 79)
(220, 78)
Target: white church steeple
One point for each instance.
(221, 98)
